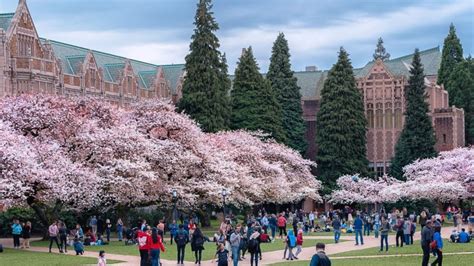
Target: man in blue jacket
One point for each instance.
(358, 224)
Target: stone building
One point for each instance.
(30, 64)
(382, 84)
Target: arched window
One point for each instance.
(370, 118)
(379, 115)
(398, 118)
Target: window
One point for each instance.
(370, 118)
(92, 74)
(129, 84)
(444, 138)
(379, 115)
(388, 118)
(398, 118)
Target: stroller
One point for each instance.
(131, 236)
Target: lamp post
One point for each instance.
(175, 199)
(224, 194)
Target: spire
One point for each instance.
(380, 52)
(21, 2)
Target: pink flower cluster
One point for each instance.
(84, 152)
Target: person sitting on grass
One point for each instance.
(464, 237)
(78, 247)
(320, 258)
(454, 236)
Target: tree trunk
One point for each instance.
(40, 213)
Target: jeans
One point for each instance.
(273, 228)
(254, 258)
(366, 230)
(120, 235)
(399, 236)
(298, 250)
(143, 257)
(107, 231)
(358, 234)
(198, 255)
(235, 255)
(55, 239)
(426, 255)
(181, 250)
(376, 231)
(63, 243)
(383, 238)
(407, 239)
(337, 235)
(290, 254)
(16, 241)
(439, 258)
(155, 257)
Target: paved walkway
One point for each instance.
(268, 257)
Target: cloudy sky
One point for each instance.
(159, 31)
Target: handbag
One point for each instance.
(433, 245)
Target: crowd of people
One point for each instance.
(234, 240)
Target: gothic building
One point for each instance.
(31, 64)
(382, 84)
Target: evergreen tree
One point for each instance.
(461, 84)
(206, 85)
(288, 94)
(451, 55)
(417, 139)
(341, 124)
(380, 52)
(254, 103)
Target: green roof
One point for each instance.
(5, 20)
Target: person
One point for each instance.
(79, 232)
(399, 226)
(412, 231)
(102, 261)
(235, 239)
(156, 247)
(78, 246)
(197, 244)
(143, 226)
(291, 242)
(438, 247)
(16, 232)
(320, 258)
(311, 219)
(181, 239)
(367, 222)
(62, 231)
(272, 222)
(93, 225)
(144, 244)
(119, 229)
(281, 222)
(26, 234)
(463, 237)
(358, 224)
(222, 255)
(161, 229)
(108, 227)
(384, 229)
(407, 230)
(254, 247)
(299, 243)
(426, 238)
(470, 220)
(336, 225)
(376, 225)
(53, 235)
(173, 228)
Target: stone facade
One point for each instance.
(382, 85)
(30, 64)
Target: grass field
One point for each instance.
(116, 247)
(455, 260)
(13, 257)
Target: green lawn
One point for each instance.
(116, 247)
(411, 249)
(13, 257)
(457, 260)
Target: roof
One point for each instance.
(310, 83)
(5, 20)
(113, 65)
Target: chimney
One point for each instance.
(311, 68)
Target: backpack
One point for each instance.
(181, 239)
(252, 245)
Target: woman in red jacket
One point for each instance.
(299, 242)
(144, 244)
(281, 222)
(155, 247)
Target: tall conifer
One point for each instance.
(417, 139)
(288, 94)
(254, 103)
(451, 55)
(341, 125)
(206, 85)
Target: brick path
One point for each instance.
(268, 257)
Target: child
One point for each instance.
(78, 247)
(102, 261)
(291, 242)
(299, 243)
(222, 255)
